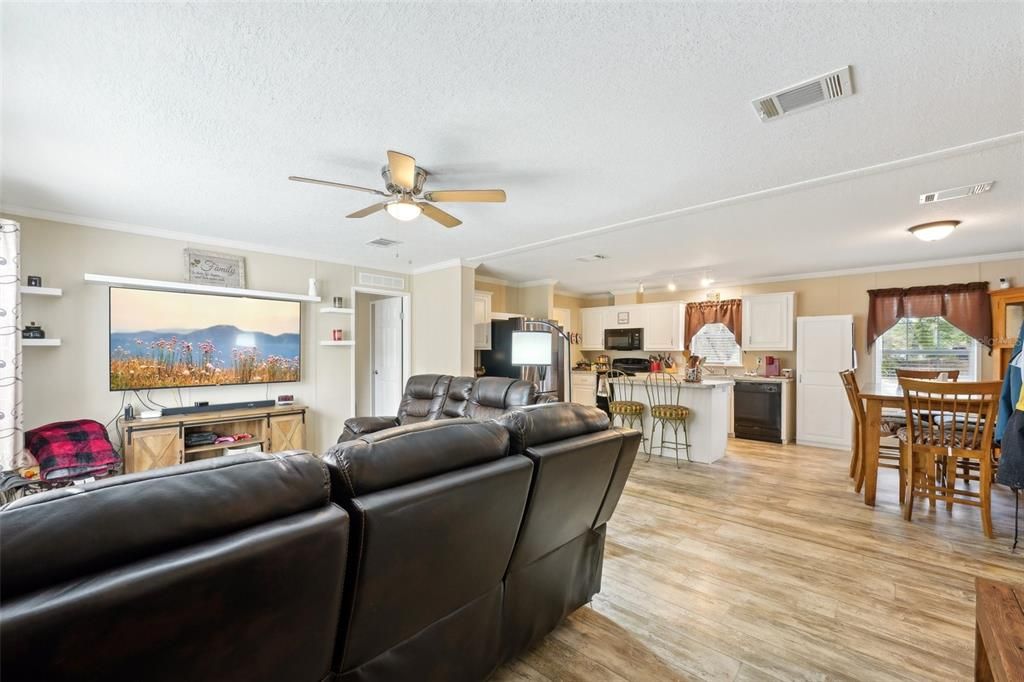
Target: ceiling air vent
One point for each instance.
(817, 91)
(956, 192)
(591, 258)
(383, 243)
(372, 279)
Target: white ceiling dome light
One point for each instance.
(934, 231)
(404, 209)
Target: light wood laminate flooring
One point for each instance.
(767, 566)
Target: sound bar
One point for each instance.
(192, 409)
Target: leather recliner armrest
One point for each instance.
(356, 427)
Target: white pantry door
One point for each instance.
(387, 355)
(824, 348)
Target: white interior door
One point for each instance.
(824, 348)
(387, 355)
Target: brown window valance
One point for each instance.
(728, 312)
(965, 306)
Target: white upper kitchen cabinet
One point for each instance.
(592, 331)
(624, 317)
(482, 320)
(663, 328)
(768, 321)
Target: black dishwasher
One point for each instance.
(757, 410)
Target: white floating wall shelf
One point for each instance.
(40, 342)
(189, 287)
(42, 291)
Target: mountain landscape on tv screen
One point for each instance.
(222, 354)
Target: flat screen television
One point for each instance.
(169, 339)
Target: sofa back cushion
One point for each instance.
(423, 398)
(457, 403)
(492, 397)
(436, 510)
(143, 576)
(574, 456)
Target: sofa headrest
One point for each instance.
(547, 422)
(426, 386)
(404, 454)
(492, 396)
(76, 531)
(457, 402)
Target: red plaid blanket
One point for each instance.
(72, 449)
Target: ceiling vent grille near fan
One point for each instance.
(371, 279)
(956, 192)
(831, 86)
(383, 243)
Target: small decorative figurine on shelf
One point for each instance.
(34, 281)
(33, 331)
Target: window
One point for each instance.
(924, 343)
(715, 342)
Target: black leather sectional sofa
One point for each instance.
(432, 551)
(429, 397)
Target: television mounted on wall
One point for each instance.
(169, 339)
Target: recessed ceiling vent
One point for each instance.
(956, 192)
(591, 258)
(823, 89)
(383, 243)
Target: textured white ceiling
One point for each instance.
(189, 118)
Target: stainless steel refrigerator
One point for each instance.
(497, 362)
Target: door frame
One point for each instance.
(406, 335)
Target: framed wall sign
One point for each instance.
(623, 318)
(215, 269)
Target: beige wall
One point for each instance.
(71, 381)
(847, 295)
(504, 299)
(537, 301)
(442, 321)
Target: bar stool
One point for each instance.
(664, 392)
(621, 403)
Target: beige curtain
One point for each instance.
(728, 312)
(12, 438)
(965, 306)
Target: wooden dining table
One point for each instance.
(875, 397)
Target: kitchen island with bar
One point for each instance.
(707, 424)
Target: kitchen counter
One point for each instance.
(708, 424)
(747, 377)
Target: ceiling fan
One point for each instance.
(406, 199)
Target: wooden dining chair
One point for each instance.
(888, 457)
(947, 423)
(907, 373)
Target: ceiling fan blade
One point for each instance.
(436, 214)
(403, 170)
(328, 183)
(492, 195)
(368, 210)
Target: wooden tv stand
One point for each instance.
(160, 442)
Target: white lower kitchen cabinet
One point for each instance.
(584, 388)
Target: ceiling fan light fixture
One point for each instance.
(404, 209)
(934, 231)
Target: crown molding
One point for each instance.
(173, 235)
(824, 274)
(535, 283)
(493, 280)
(978, 145)
(445, 265)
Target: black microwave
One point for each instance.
(624, 339)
